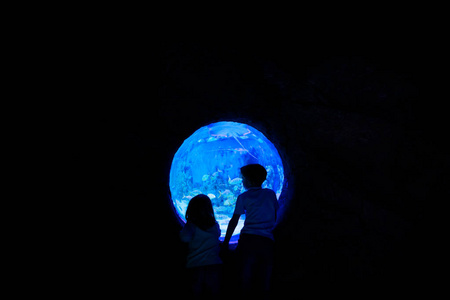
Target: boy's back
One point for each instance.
(256, 242)
(260, 207)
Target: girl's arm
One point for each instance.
(187, 232)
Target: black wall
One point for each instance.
(350, 126)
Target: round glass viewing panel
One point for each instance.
(209, 162)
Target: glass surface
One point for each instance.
(209, 163)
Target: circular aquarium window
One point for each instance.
(209, 163)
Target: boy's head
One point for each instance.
(253, 175)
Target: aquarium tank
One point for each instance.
(209, 162)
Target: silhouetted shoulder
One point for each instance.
(269, 191)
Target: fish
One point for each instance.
(215, 174)
(195, 192)
(205, 177)
(225, 193)
(234, 181)
(211, 196)
(221, 208)
(227, 203)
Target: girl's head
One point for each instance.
(200, 212)
(253, 175)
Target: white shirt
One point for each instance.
(203, 245)
(260, 207)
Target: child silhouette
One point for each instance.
(256, 242)
(202, 233)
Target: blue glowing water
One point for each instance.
(209, 163)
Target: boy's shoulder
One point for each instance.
(270, 192)
(260, 191)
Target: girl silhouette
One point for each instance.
(202, 233)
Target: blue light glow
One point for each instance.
(209, 163)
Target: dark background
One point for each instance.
(353, 124)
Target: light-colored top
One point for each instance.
(203, 246)
(260, 207)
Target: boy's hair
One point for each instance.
(200, 212)
(255, 173)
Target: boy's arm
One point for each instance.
(230, 229)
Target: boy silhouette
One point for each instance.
(256, 242)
